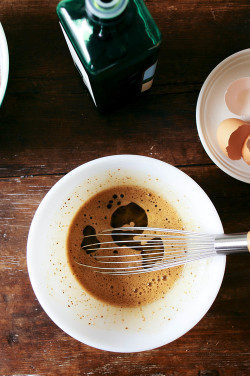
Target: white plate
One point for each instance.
(211, 110)
(4, 64)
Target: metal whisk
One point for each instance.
(134, 250)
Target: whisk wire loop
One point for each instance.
(135, 250)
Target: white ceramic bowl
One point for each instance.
(211, 110)
(93, 322)
(4, 64)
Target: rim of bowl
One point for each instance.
(33, 277)
(4, 63)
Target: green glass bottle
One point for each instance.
(114, 45)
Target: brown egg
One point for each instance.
(246, 150)
(231, 134)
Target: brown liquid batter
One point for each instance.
(115, 207)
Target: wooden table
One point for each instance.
(49, 126)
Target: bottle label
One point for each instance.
(148, 77)
(78, 64)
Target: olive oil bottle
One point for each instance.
(114, 45)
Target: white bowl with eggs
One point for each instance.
(224, 95)
(94, 322)
(4, 63)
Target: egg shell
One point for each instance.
(225, 130)
(236, 141)
(237, 97)
(246, 150)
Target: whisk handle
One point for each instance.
(233, 243)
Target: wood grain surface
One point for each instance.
(48, 126)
